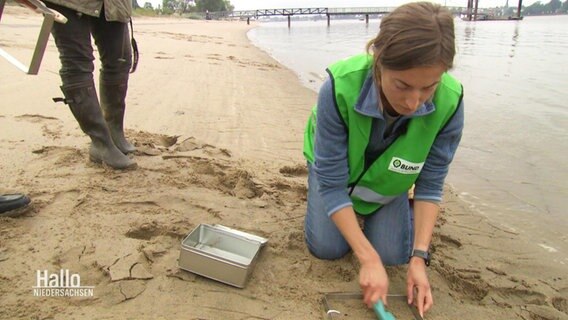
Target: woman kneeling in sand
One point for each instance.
(383, 122)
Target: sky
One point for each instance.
(278, 4)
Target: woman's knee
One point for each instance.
(322, 246)
(327, 251)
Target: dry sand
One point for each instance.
(219, 127)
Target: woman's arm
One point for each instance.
(373, 278)
(331, 167)
(427, 196)
(430, 183)
(330, 164)
(425, 214)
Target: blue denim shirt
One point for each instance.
(331, 164)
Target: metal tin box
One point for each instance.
(220, 253)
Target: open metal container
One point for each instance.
(220, 253)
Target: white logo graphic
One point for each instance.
(62, 284)
(405, 167)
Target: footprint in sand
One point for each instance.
(249, 63)
(145, 231)
(156, 228)
(561, 303)
(451, 241)
(240, 183)
(51, 126)
(215, 56)
(35, 118)
(541, 312)
(60, 156)
(188, 144)
(298, 170)
(162, 55)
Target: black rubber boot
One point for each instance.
(12, 205)
(84, 104)
(113, 103)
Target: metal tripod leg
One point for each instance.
(49, 16)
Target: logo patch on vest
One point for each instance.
(405, 167)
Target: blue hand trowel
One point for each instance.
(381, 313)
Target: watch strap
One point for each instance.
(421, 254)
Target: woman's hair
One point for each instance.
(416, 34)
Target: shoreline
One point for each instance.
(525, 202)
(206, 109)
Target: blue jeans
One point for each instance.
(390, 229)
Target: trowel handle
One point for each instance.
(381, 313)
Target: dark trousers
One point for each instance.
(73, 41)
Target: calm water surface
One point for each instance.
(511, 165)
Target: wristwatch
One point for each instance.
(421, 254)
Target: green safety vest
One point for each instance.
(375, 182)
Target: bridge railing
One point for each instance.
(368, 10)
(270, 12)
(286, 12)
(306, 11)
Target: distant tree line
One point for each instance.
(191, 6)
(553, 7)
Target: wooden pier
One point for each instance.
(470, 13)
(328, 12)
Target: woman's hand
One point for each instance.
(372, 275)
(374, 281)
(418, 279)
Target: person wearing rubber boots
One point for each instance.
(102, 120)
(385, 120)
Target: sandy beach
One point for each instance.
(219, 126)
